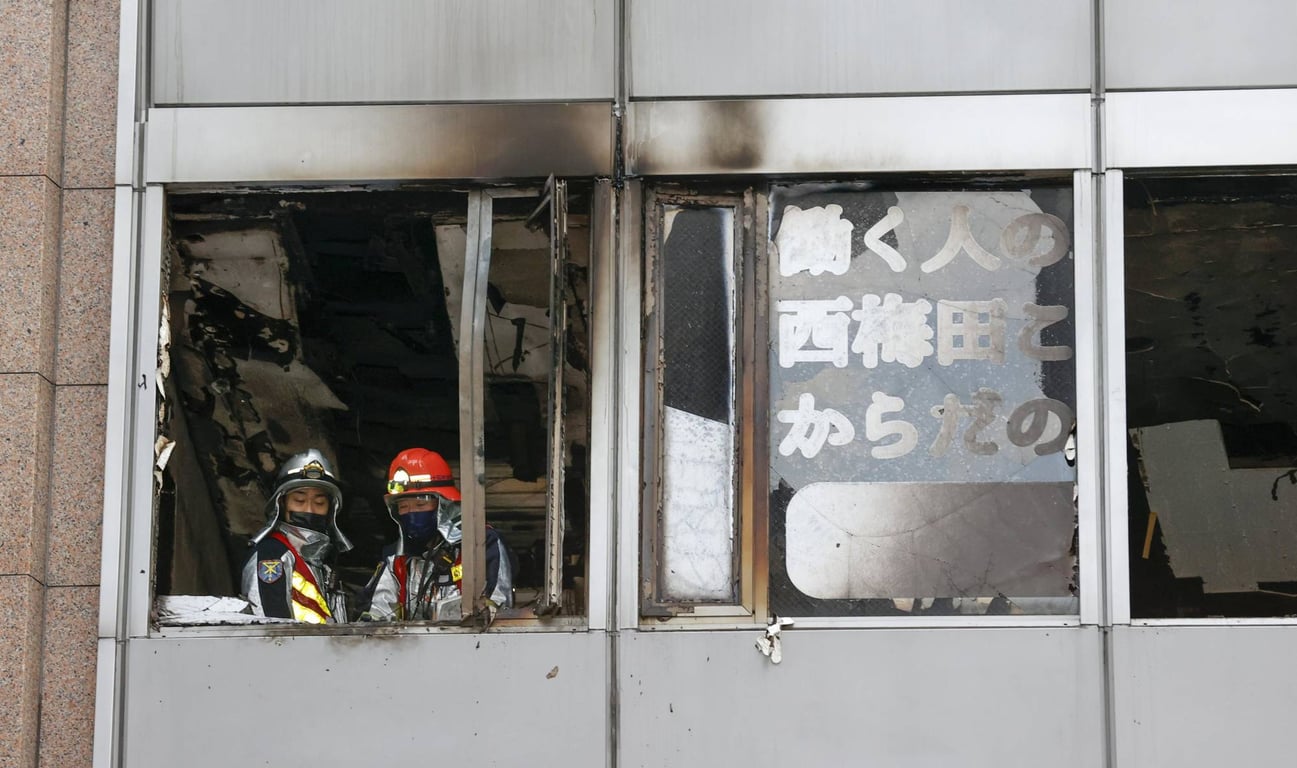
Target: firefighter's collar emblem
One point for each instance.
(270, 571)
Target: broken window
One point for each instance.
(1210, 265)
(903, 423)
(335, 320)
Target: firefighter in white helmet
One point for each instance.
(419, 579)
(290, 574)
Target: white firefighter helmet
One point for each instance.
(308, 469)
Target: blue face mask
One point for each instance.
(419, 527)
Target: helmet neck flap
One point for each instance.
(309, 469)
(417, 473)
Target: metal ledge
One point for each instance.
(861, 135)
(377, 143)
(1163, 129)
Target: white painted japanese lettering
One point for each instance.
(876, 429)
(822, 323)
(811, 429)
(961, 239)
(970, 330)
(815, 240)
(892, 330)
(874, 239)
(1028, 422)
(1022, 238)
(1041, 318)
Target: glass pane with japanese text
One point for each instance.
(922, 400)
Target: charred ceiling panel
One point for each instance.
(329, 320)
(1211, 272)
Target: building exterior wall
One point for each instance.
(689, 82)
(56, 176)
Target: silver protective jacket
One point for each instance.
(424, 587)
(270, 588)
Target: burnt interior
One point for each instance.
(330, 320)
(1210, 286)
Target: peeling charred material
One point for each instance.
(235, 331)
(550, 601)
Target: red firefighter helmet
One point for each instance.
(419, 472)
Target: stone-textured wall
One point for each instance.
(58, 63)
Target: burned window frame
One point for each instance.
(748, 382)
(151, 337)
(754, 540)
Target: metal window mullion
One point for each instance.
(630, 430)
(551, 599)
(1088, 433)
(652, 368)
(472, 454)
(1113, 298)
(144, 386)
(129, 204)
(742, 394)
(110, 697)
(603, 462)
(758, 556)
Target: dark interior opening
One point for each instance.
(1211, 281)
(330, 320)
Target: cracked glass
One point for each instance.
(922, 400)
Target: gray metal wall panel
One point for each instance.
(375, 143)
(893, 133)
(899, 698)
(686, 48)
(1164, 129)
(1199, 43)
(355, 700)
(337, 51)
(1204, 696)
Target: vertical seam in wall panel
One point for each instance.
(621, 49)
(1105, 338)
(139, 100)
(1107, 556)
(127, 472)
(613, 624)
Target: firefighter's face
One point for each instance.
(416, 504)
(312, 501)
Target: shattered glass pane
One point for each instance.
(698, 435)
(1211, 269)
(922, 392)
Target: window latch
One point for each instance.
(770, 644)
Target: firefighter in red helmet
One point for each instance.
(289, 574)
(419, 578)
